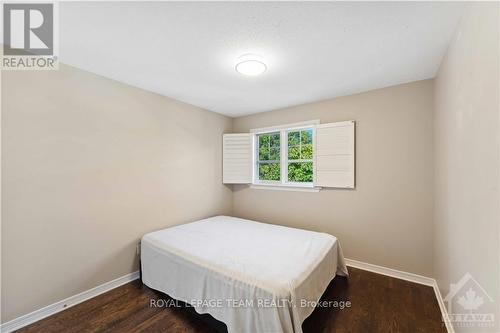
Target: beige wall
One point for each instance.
(89, 165)
(467, 153)
(387, 219)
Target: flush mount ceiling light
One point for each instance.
(251, 65)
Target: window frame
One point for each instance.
(283, 130)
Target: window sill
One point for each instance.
(285, 188)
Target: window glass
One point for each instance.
(269, 157)
(300, 154)
(269, 171)
(297, 162)
(300, 172)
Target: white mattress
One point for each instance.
(252, 276)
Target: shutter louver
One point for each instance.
(335, 165)
(237, 158)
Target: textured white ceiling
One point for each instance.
(313, 51)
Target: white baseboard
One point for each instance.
(391, 272)
(408, 277)
(444, 312)
(49, 310)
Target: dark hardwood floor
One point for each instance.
(378, 304)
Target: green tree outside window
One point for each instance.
(300, 154)
(269, 157)
(299, 163)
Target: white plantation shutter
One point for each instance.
(237, 158)
(335, 155)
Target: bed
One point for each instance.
(254, 277)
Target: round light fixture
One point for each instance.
(251, 65)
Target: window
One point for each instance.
(305, 156)
(300, 156)
(284, 155)
(268, 157)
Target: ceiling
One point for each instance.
(313, 51)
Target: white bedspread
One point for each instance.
(254, 277)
